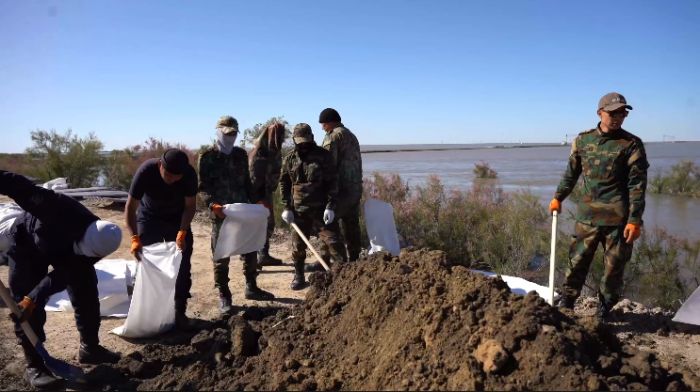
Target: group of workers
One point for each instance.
(321, 187)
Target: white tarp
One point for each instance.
(112, 278)
(689, 312)
(56, 184)
(381, 229)
(152, 310)
(244, 230)
(519, 285)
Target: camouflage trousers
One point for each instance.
(250, 263)
(309, 222)
(347, 214)
(616, 255)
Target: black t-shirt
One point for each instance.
(159, 200)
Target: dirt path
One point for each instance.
(677, 347)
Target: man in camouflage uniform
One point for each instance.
(309, 185)
(265, 164)
(614, 166)
(224, 179)
(345, 150)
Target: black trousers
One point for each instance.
(81, 285)
(153, 231)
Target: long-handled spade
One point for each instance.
(308, 243)
(56, 366)
(552, 253)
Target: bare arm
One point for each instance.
(188, 213)
(132, 205)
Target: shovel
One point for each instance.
(303, 237)
(552, 253)
(56, 366)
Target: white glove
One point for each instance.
(288, 216)
(328, 216)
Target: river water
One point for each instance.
(538, 169)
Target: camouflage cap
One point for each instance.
(302, 133)
(613, 101)
(227, 124)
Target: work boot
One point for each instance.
(252, 291)
(94, 354)
(604, 308)
(299, 282)
(182, 322)
(225, 305)
(40, 378)
(264, 260)
(36, 374)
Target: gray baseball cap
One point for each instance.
(613, 101)
(302, 133)
(227, 124)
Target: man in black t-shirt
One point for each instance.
(160, 207)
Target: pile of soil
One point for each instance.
(412, 322)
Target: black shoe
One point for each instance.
(225, 305)
(96, 354)
(298, 283)
(313, 267)
(40, 378)
(566, 302)
(603, 311)
(252, 291)
(267, 260)
(182, 322)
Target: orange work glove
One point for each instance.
(180, 239)
(632, 232)
(218, 210)
(136, 246)
(26, 307)
(554, 205)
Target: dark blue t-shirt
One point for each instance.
(159, 200)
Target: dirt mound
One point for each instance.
(413, 323)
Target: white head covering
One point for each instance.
(100, 239)
(225, 142)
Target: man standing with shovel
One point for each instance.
(55, 230)
(614, 165)
(309, 189)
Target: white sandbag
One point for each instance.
(244, 230)
(56, 184)
(113, 276)
(8, 215)
(381, 229)
(519, 285)
(152, 310)
(689, 312)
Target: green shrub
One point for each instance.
(122, 164)
(482, 227)
(483, 170)
(77, 159)
(683, 179)
(17, 163)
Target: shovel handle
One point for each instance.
(552, 254)
(10, 302)
(306, 240)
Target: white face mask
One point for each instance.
(225, 142)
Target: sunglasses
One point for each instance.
(618, 113)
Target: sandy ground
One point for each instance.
(62, 339)
(677, 346)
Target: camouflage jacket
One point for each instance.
(265, 166)
(345, 150)
(309, 182)
(224, 179)
(614, 168)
